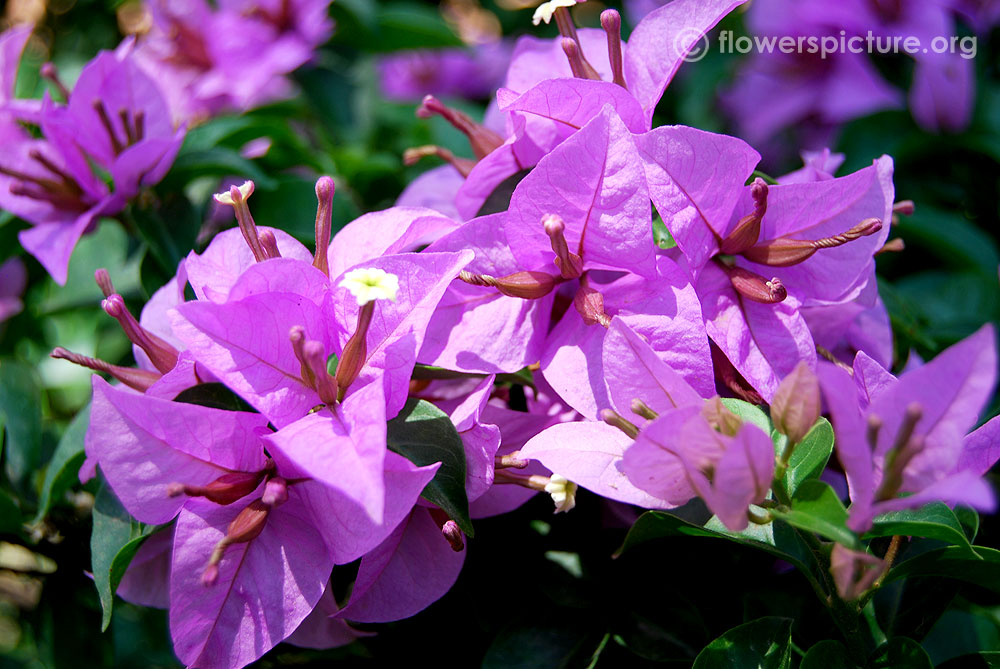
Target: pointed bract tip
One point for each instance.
(796, 405)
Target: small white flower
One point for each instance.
(546, 9)
(225, 198)
(562, 491)
(370, 283)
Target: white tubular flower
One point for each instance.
(562, 491)
(546, 9)
(225, 198)
(371, 283)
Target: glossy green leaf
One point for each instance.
(765, 643)
(809, 457)
(777, 538)
(982, 660)
(10, 515)
(218, 161)
(980, 566)
(214, 395)
(556, 639)
(423, 434)
(62, 471)
(827, 654)
(115, 539)
(817, 508)
(21, 416)
(933, 521)
(750, 413)
(902, 653)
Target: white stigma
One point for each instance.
(225, 198)
(562, 491)
(546, 9)
(370, 283)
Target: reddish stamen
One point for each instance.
(269, 243)
(102, 113)
(137, 379)
(49, 71)
(570, 264)
(161, 354)
(413, 155)
(315, 357)
(325, 188)
(747, 230)
(103, 280)
(611, 21)
(482, 140)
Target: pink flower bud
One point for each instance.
(796, 404)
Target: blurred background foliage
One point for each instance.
(537, 591)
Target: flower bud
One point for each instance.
(224, 490)
(570, 264)
(796, 404)
(787, 252)
(589, 304)
(528, 285)
(137, 379)
(755, 287)
(482, 140)
(275, 492)
(720, 418)
(325, 189)
(854, 571)
(161, 354)
(747, 230)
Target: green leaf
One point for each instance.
(969, 519)
(987, 659)
(423, 434)
(750, 413)
(765, 643)
(61, 473)
(810, 455)
(499, 199)
(933, 521)
(412, 26)
(965, 245)
(21, 416)
(980, 566)
(214, 395)
(115, 539)
(661, 235)
(541, 642)
(827, 654)
(219, 161)
(817, 508)
(10, 515)
(777, 538)
(902, 653)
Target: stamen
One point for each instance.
(413, 155)
(570, 264)
(315, 357)
(269, 243)
(747, 230)
(68, 181)
(325, 188)
(102, 113)
(589, 304)
(237, 198)
(753, 286)
(449, 529)
(611, 21)
(904, 208)
(246, 527)
(577, 63)
(140, 124)
(161, 354)
(871, 433)
(615, 419)
(137, 379)
(297, 335)
(895, 245)
(527, 285)
(914, 412)
(127, 124)
(226, 489)
(355, 352)
(103, 280)
(511, 461)
(788, 252)
(641, 409)
(49, 71)
(482, 140)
